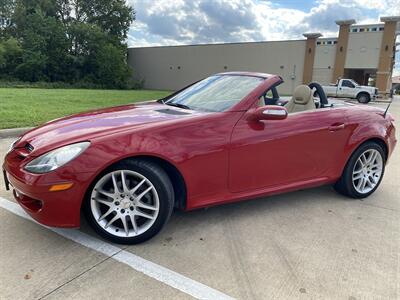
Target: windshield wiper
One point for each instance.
(177, 105)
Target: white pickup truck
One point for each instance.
(348, 88)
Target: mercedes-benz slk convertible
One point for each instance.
(226, 138)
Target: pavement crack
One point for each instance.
(81, 274)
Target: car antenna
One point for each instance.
(387, 108)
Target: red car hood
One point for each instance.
(106, 121)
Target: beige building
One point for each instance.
(364, 53)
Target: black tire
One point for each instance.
(161, 183)
(345, 185)
(363, 98)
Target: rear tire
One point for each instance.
(363, 98)
(363, 172)
(130, 202)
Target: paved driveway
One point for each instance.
(311, 244)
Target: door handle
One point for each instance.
(336, 127)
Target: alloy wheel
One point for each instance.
(367, 171)
(124, 203)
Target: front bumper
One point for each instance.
(31, 191)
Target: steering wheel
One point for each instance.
(320, 92)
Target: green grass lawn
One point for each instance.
(31, 107)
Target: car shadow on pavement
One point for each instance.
(298, 202)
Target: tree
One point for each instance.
(71, 40)
(111, 68)
(10, 56)
(6, 12)
(112, 16)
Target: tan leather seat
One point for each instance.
(302, 100)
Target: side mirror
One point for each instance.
(270, 112)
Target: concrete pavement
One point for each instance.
(311, 244)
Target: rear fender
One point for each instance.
(362, 134)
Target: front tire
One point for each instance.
(363, 98)
(363, 172)
(130, 202)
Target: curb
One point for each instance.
(13, 132)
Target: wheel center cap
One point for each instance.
(125, 203)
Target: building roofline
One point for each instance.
(312, 35)
(328, 38)
(390, 19)
(373, 24)
(345, 22)
(219, 44)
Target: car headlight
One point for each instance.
(54, 159)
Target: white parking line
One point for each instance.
(153, 270)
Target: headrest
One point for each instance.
(302, 94)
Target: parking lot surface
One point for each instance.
(309, 244)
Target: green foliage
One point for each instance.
(136, 85)
(111, 68)
(65, 41)
(31, 107)
(6, 11)
(10, 56)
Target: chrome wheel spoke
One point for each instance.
(123, 181)
(144, 215)
(372, 157)
(114, 180)
(108, 203)
(364, 183)
(360, 183)
(105, 214)
(115, 218)
(125, 224)
(363, 159)
(138, 198)
(132, 191)
(107, 194)
(146, 206)
(374, 166)
(371, 180)
(134, 225)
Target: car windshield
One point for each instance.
(215, 93)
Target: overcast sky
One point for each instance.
(179, 22)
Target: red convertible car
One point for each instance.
(226, 138)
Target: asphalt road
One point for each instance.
(310, 244)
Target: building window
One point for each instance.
(362, 29)
(335, 42)
(374, 29)
(354, 30)
(380, 28)
(318, 43)
(329, 42)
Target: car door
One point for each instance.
(304, 146)
(347, 89)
